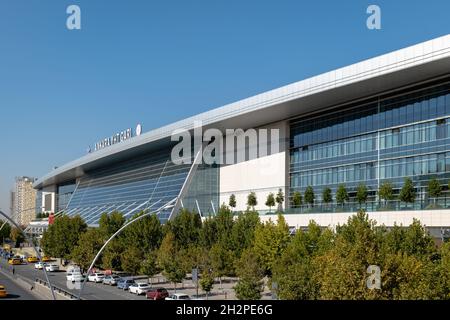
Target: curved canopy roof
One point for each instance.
(410, 65)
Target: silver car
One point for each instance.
(111, 280)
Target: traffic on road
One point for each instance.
(99, 286)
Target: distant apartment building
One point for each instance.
(23, 201)
(12, 200)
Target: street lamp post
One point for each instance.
(169, 204)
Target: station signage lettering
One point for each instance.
(117, 138)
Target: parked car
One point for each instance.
(75, 277)
(125, 284)
(3, 293)
(46, 259)
(111, 280)
(40, 265)
(139, 288)
(73, 268)
(179, 296)
(15, 261)
(32, 259)
(96, 277)
(52, 268)
(157, 294)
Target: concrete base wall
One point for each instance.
(429, 218)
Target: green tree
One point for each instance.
(418, 242)
(297, 199)
(169, 260)
(224, 224)
(270, 242)
(232, 201)
(294, 272)
(192, 257)
(109, 224)
(112, 256)
(309, 195)
(222, 260)
(327, 197)
(407, 193)
(149, 266)
(87, 248)
(17, 236)
(131, 260)
(5, 232)
(361, 193)
(250, 272)
(270, 202)
(186, 228)
(386, 191)
(341, 195)
(145, 234)
(243, 233)
(208, 234)
(434, 189)
(252, 201)
(62, 236)
(279, 199)
(207, 283)
(342, 270)
(295, 279)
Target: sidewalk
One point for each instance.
(22, 282)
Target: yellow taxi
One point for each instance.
(3, 293)
(32, 259)
(15, 261)
(46, 259)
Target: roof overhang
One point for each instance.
(421, 62)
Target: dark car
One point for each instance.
(125, 284)
(157, 294)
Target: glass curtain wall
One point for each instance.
(148, 181)
(386, 138)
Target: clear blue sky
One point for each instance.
(156, 62)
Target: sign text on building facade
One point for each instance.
(118, 138)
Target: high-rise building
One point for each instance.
(12, 207)
(23, 201)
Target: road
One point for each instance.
(92, 291)
(15, 292)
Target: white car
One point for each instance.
(178, 296)
(75, 276)
(40, 265)
(96, 277)
(139, 288)
(73, 268)
(52, 268)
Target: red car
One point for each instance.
(157, 294)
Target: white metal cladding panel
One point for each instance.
(395, 61)
(429, 218)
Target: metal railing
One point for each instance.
(57, 289)
(369, 206)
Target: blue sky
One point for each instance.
(156, 62)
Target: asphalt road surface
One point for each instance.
(15, 292)
(92, 291)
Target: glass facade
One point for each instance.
(65, 192)
(148, 181)
(405, 134)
